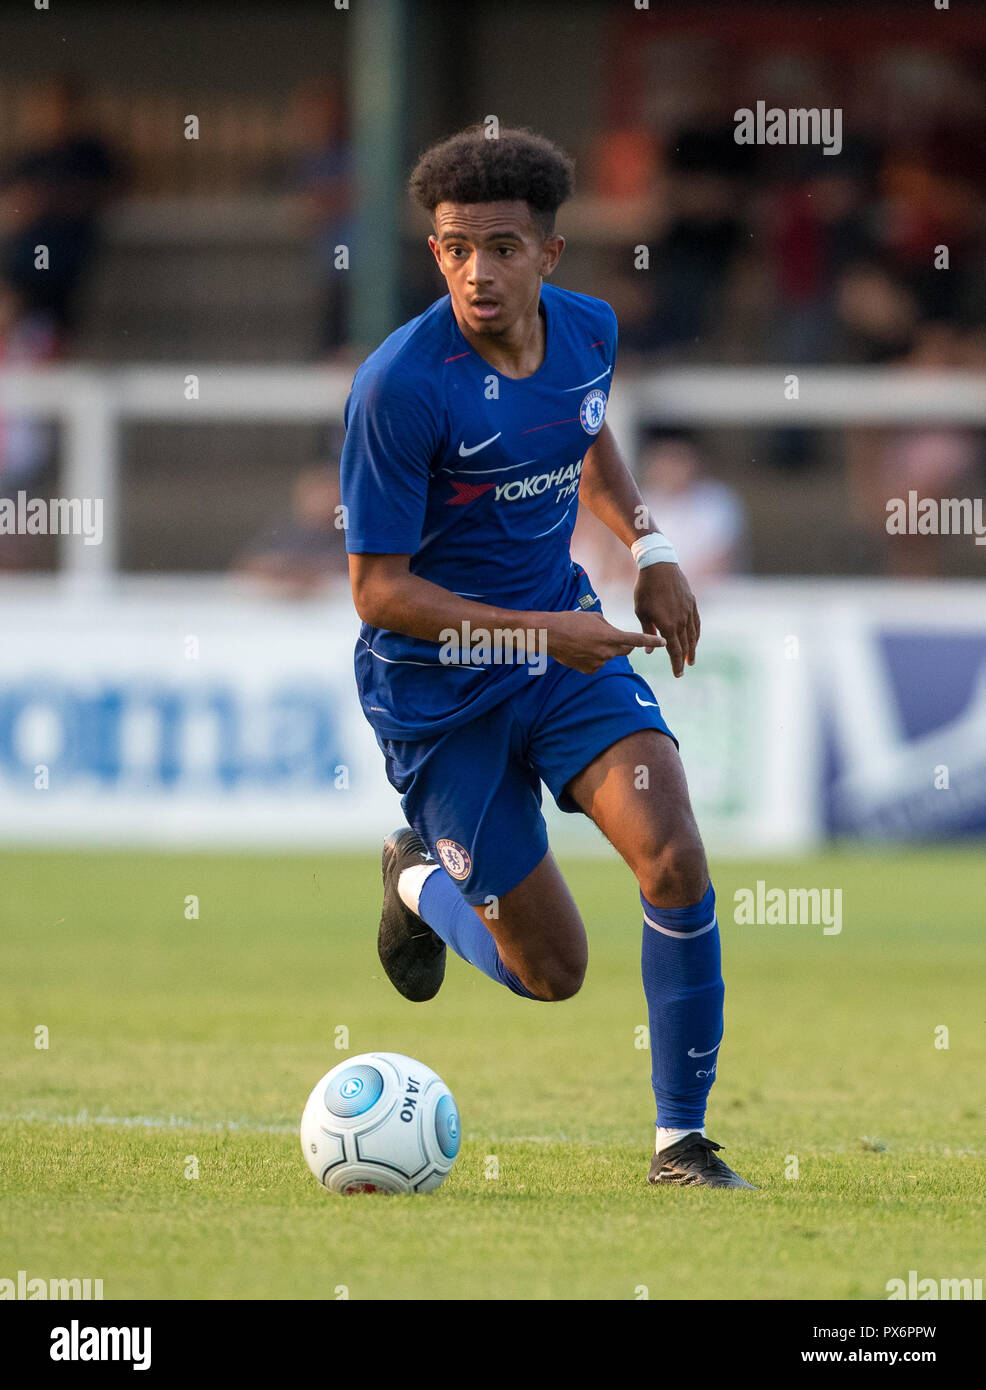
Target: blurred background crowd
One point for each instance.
(224, 248)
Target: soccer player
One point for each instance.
(484, 664)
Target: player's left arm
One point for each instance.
(662, 599)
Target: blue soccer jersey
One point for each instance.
(475, 475)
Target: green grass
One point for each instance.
(210, 1033)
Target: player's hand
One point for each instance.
(664, 603)
(586, 641)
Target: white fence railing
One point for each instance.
(91, 405)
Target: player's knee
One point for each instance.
(559, 987)
(676, 875)
(560, 980)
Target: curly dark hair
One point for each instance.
(518, 166)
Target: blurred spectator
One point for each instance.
(876, 312)
(26, 339)
(780, 252)
(51, 196)
(322, 178)
(624, 164)
(707, 184)
(868, 317)
(26, 442)
(936, 461)
(821, 225)
(701, 517)
(298, 556)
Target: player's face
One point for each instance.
(493, 256)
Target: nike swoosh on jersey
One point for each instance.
(464, 452)
(584, 384)
(646, 702)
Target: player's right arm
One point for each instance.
(394, 430)
(388, 596)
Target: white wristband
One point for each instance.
(653, 549)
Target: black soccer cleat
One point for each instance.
(410, 952)
(693, 1162)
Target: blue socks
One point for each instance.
(448, 914)
(680, 964)
(682, 976)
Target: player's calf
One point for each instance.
(539, 934)
(423, 908)
(551, 980)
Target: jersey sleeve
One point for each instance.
(613, 336)
(391, 439)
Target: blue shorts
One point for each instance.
(473, 793)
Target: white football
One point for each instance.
(380, 1122)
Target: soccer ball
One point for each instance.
(380, 1122)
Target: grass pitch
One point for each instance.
(173, 1039)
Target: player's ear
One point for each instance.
(435, 249)
(551, 250)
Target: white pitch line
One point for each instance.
(148, 1122)
(83, 1117)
